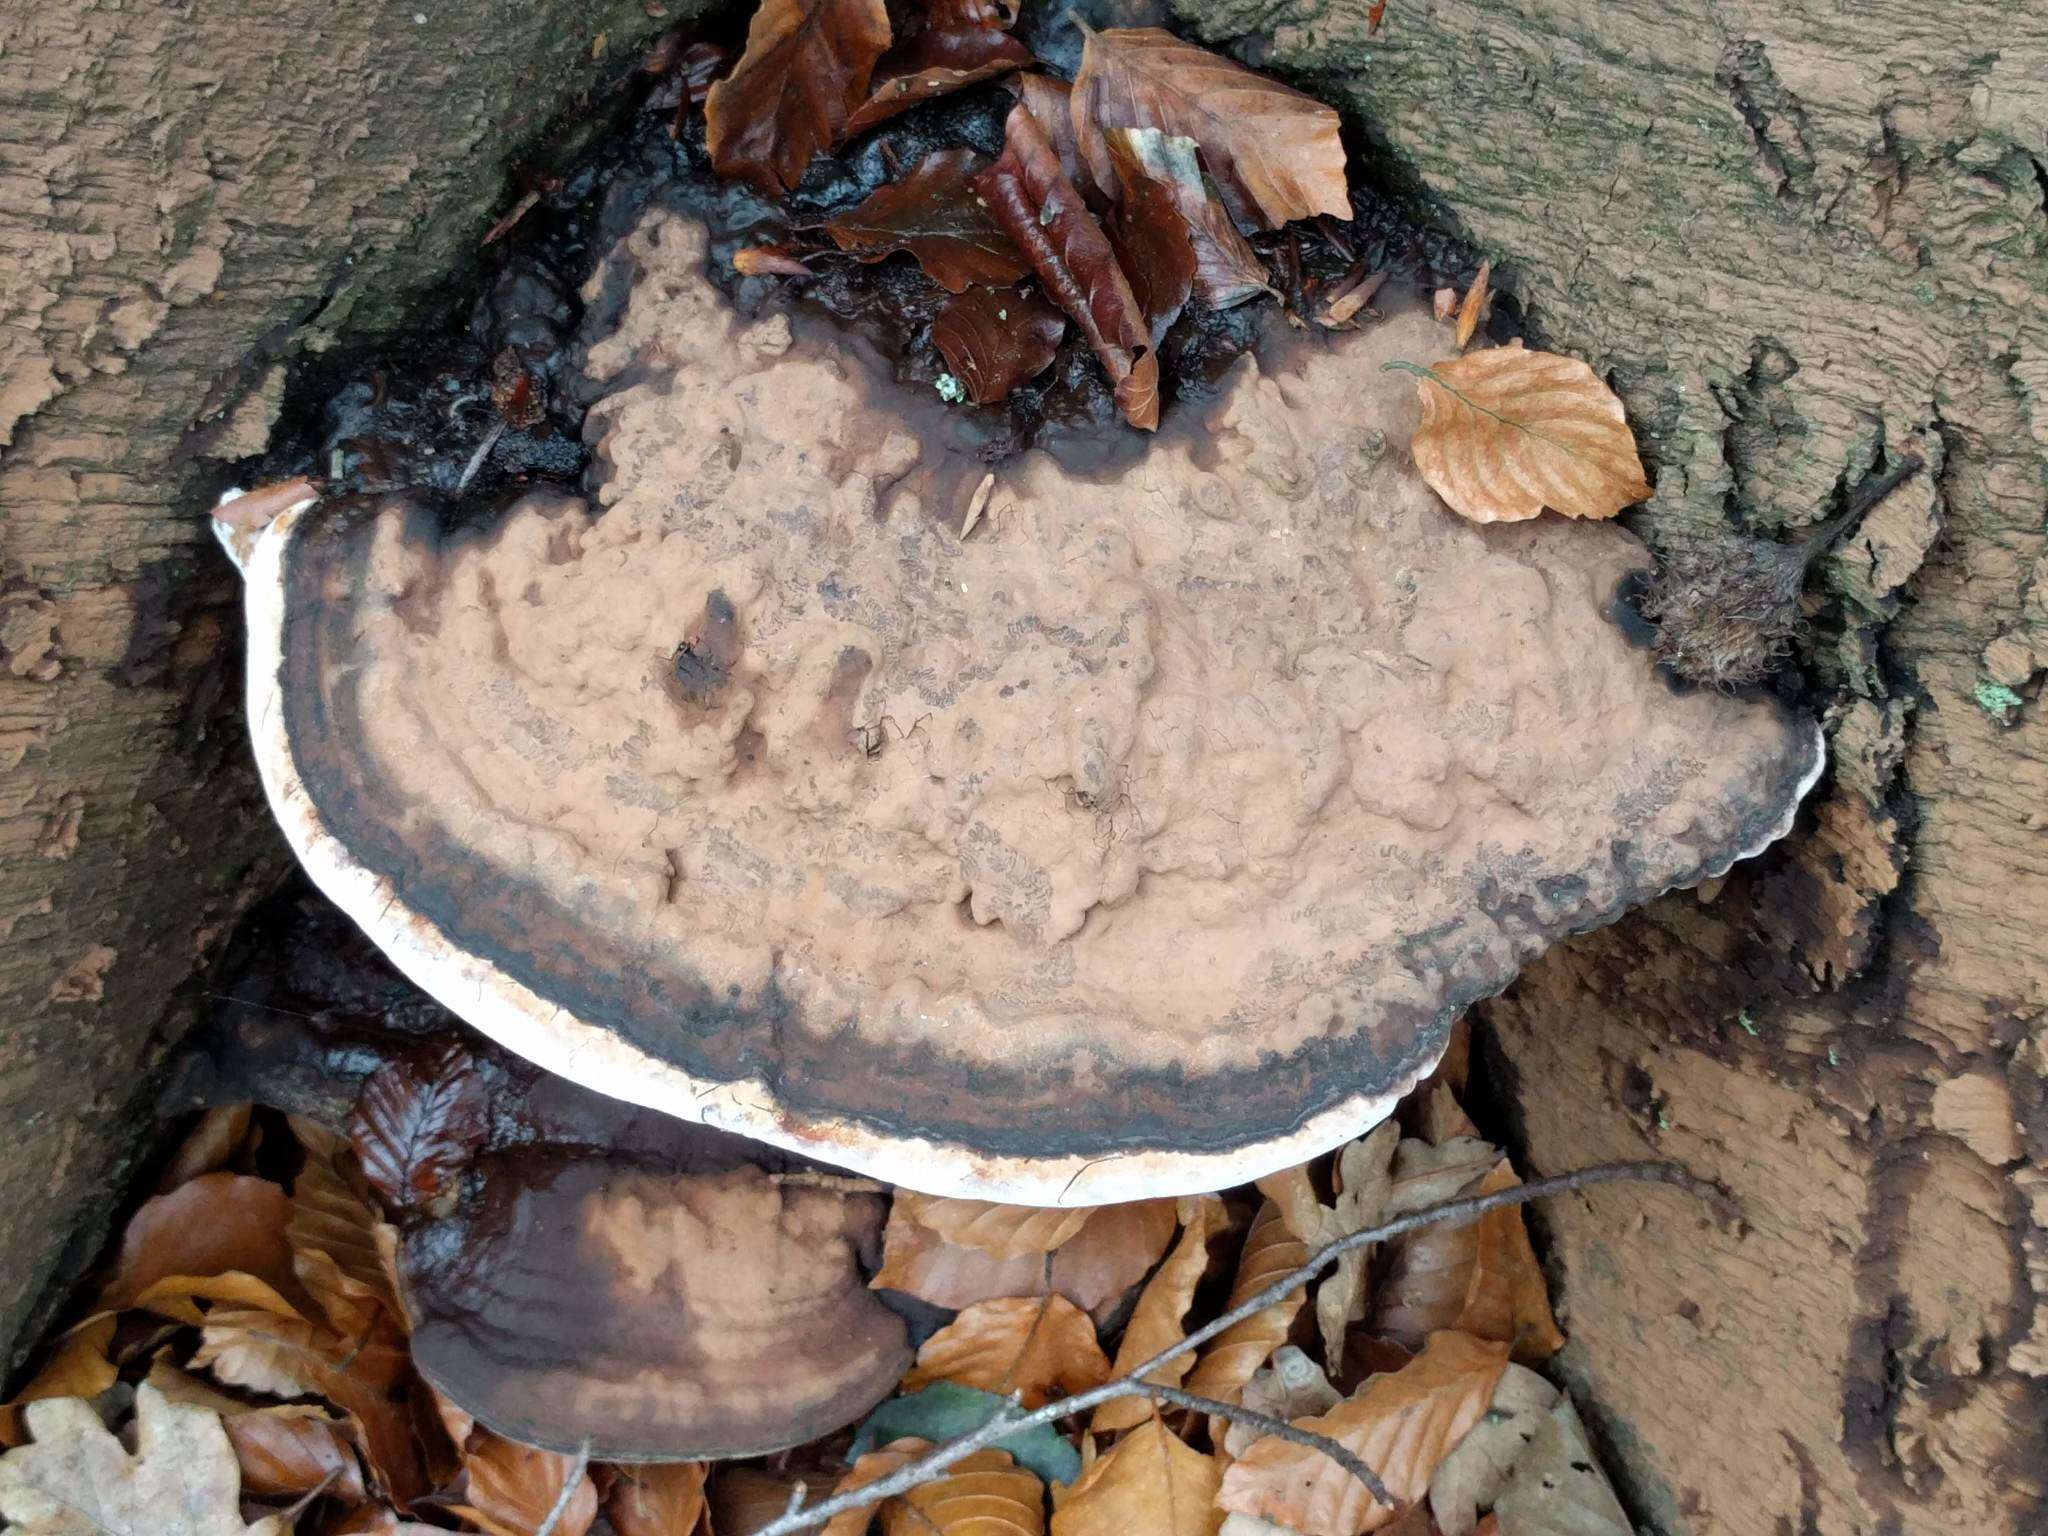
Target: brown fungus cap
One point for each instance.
(662, 1317)
(1145, 840)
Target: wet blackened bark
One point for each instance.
(190, 196)
(1800, 239)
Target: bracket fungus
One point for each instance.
(1143, 842)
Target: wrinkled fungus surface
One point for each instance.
(1154, 831)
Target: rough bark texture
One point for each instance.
(1794, 234)
(189, 194)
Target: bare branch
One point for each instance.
(1008, 1418)
(1266, 1424)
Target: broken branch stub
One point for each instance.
(1144, 843)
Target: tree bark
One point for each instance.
(1794, 235)
(190, 196)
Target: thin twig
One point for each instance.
(1266, 1424)
(570, 1484)
(1009, 1419)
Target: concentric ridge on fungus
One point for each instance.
(1145, 842)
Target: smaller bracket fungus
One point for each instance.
(1144, 842)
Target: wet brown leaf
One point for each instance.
(1507, 432)
(417, 1123)
(658, 1500)
(77, 1367)
(76, 1477)
(1153, 243)
(1275, 154)
(215, 1224)
(512, 1488)
(1032, 199)
(1474, 307)
(1004, 1231)
(1401, 1426)
(805, 69)
(1049, 101)
(935, 63)
(1227, 270)
(1157, 1320)
(1152, 1483)
(994, 339)
(294, 1449)
(1480, 1277)
(936, 214)
(1227, 1363)
(985, 1494)
(1041, 1347)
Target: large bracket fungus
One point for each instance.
(1145, 839)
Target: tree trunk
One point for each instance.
(190, 194)
(1794, 235)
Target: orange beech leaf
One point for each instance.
(994, 339)
(1507, 432)
(936, 62)
(1040, 1347)
(1002, 1230)
(768, 261)
(1401, 1425)
(1227, 270)
(1474, 305)
(805, 68)
(1227, 1363)
(936, 214)
(1152, 1483)
(215, 1224)
(1480, 1277)
(1275, 154)
(78, 1367)
(1113, 1252)
(332, 1232)
(1156, 1321)
(513, 1487)
(1103, 1260)
(1044, 216)
(892, 1457)
(294, 1449)
(215, 1139)
(985, 1494)
(665, 1500)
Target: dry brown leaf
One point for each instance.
(332, 1232)
(1294, 1192)
(1039, 1347)
(1227, 1363)
(1275, 154)
(76, 1478)
(1444, 303)
(1469, 1479)
(77, 1367)
(280, 1356)
(1402, 1426)
(1290, 1386)
(892, 1457)
(1480, 1277)
(512, 1488)
(294, 1449)
(1427, 1173)
(1151, 1484)
(1439, 1117)
(1156, 1321)
(177, 1296)
(1364, 1183)
(805, 69)
(1108, 1256)
(1349, 298)
(1556, 1487)
(1507, 432)
(1475, 304)
(744, 1499)
(214, 1139)
(985, 1494)
(1002, 1230)
(659, 1500)
(215, 1224)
